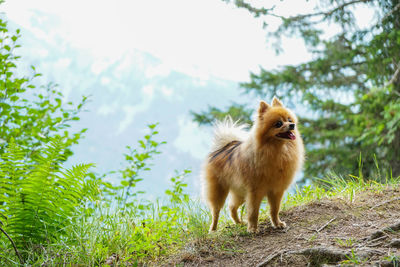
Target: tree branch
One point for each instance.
(390, 12)
(385, 202)
(332, 254)
(13, 244)
(267, 11)
(379, 233)
(330, 12)
(325, 225)
(395, 76)
(256, 11)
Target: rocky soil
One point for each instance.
(363, 231)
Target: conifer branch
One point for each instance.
(390, 12)
(329, 12)
(267, 11)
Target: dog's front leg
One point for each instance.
(253, 203)
(274, 200)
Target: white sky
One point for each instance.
(200, 38)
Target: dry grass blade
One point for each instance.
(325, 225)
(385, 202)
(272, 257)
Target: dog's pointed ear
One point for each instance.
(276, 102)
(263, 107)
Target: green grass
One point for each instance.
(334, 186)
(135, 239)
(353, 259)
(346, 243)
(146, 232)
(337, 186)
(394, 259)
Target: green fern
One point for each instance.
(39, 197)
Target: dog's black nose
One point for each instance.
(291, 126)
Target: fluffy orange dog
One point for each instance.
(252, 165)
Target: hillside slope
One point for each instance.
(361, 230)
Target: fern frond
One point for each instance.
(40, 198)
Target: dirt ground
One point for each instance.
(329, 232)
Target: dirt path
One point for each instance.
(328, 231)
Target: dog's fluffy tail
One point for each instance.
(227, 131)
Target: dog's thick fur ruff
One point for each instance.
(252, 165)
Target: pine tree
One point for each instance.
(351, 87)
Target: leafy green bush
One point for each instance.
(137, 160)
(38, 197)
(140, 232)
(31, 115)
(132, 228)
(57, 215)
(146, 229)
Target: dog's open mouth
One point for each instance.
(287, 135)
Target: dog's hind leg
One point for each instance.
(216, 195)
(234, 204)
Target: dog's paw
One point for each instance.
(280, 225)
(239, 222)
(252, 230)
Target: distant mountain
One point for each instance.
(127, 93)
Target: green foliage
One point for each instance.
(393, 258)
(334, 185)
(40, 198)
(136, 233)
(60, 210)
(101, 231)
(354, 259)
(137, 162)
(350, 88)
(346, 243)
(124, 223)
(237, 113)
(31, 115)
(165, 226)
(60, 216)
(157, 226)
(177, 195)
(57, 215)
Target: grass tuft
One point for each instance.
(120, 227)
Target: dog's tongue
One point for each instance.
(287, 135)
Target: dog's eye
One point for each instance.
(290, 120)
(278, 124)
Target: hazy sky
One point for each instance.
(146, 61)
(200, 38)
